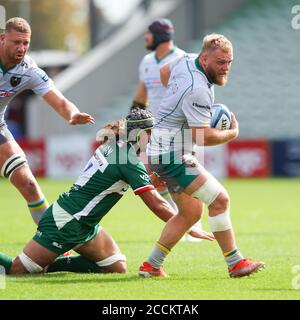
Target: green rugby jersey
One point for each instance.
(109, 173)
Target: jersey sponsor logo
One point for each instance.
(57, 245)
(6, 94)
(14, 81)
(195, 104)
(145, 177)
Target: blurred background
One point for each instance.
(92, 50)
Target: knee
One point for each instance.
(220, 204)
(121, 267)
(219, 215)
(117, 267)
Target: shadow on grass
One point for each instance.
(69, 277)
(72, 278)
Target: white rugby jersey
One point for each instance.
(149, 74)
(25, 75)
(187, 103)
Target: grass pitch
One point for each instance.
(265, 215)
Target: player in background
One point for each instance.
(19, 72)
(72, 221)
(159, 39)
(191, 89)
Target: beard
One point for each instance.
(150, 46)
(219, 79)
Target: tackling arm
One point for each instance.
(66, 108)
(164, 211)
(158, 205)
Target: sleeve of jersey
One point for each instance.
(137, 176)
(41, 83)
(196, 107)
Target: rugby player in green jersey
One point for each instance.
(71, 222)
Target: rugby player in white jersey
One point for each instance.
(19, 72)
(72, 222)
(187, 107)
(159, 39)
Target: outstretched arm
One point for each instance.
(66, 108)
(157, 204)
(162, 209)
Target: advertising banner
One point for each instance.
(286, 158)
(67, 156)
(214, 159)
(36, 155)
(249, 158)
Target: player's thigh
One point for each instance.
(99, 248)
(18, 171)
(187, 205)
(9, 149)
(39, 254)
(35, 252)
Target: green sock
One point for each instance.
(6, 262)
(74, 264)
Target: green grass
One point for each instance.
(265, 215)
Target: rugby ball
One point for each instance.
(221, 117)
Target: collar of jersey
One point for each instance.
(199, 67)
(5, 70)
(170, 52)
